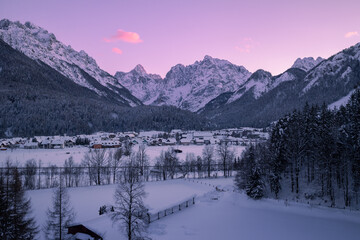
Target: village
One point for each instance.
(237, 136)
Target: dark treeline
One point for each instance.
(313, 154)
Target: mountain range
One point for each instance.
(212, 93)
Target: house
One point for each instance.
(97, 145)
(3, 147)
(200, 137)
(81, 232)
(31, 145)
(57, 143)
(70, 143)
(105, 144)
(169, 141)
(185, 141)
(45, 143)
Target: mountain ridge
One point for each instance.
(187, 87)
(38, 44)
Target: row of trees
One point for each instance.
(103, 166)
(314, 153)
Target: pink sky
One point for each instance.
(162, 33)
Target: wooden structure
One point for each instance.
(79, 228)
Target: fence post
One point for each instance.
(148, 217)
(179, 207)
(187, 204)
(193, 200)
(172, 210)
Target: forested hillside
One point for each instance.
(37, 100)
(312, 155)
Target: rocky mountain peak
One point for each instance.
(139, 69)
(307, 63)
(260, 75)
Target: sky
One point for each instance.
(158, 34)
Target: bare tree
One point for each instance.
(60, 215)
(208, 158)
(143, 160)
(69, 171)
(116, 161)
(199, 166)
(129, 208)
(191, 160)
(53, 173)
(30, 174)
(95, 160)
(127, 148)
(226, 156)
(168, 162)
(39, 175)
(78, 171)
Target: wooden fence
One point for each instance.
(171, 210)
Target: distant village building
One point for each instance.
(57, 144)
(169, 141)
(31, 145)
(45, 143)
(105, 144)
(185, 141)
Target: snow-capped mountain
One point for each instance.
(142, 85)
(263, 98)
(259, 82)
(187, 87)
(38, 44)
(341, 68)
(306, 63)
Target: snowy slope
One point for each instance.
(342, 68)
(38, 44)
(341, 102)
(187, 87)
(258, 83)
(307, 63)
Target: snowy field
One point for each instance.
(216, 215)
(58, 156)
(86, 201)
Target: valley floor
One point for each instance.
(215, 215)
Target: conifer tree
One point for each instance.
(4, 209)
(22, 225)
(255, 185)
(246, 165)
(60, 215)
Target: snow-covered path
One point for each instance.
(234, 216)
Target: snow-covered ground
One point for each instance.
(216, 214)
(231, 215)
(47, 156)
(58, 156)
(86, 201)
